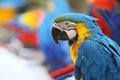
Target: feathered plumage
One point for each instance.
(97, 56)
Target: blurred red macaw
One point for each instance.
(28, 23)
(103, 5)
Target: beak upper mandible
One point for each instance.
(56, 34)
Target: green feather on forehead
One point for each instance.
(65, 18)
(74, 17)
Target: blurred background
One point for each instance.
(27, 51)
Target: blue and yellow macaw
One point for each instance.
(95, 56)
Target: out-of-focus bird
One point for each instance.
(29, 20)
(56, 57)
(27, 24)
(97, 4)
(96, 57)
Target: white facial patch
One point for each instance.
(71, 34)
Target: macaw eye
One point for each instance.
(67, 23)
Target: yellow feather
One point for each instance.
(83, 33)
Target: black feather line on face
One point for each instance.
(73, 40)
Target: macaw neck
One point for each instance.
(83, 33)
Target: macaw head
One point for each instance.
(71, 26)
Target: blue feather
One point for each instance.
(98, 60)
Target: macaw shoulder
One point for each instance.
(89, 45)
(98, 60)
(92, 52)
(104, 49)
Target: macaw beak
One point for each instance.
(57, 34)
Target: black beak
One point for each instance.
(59, 35)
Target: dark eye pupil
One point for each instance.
(66, 23)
